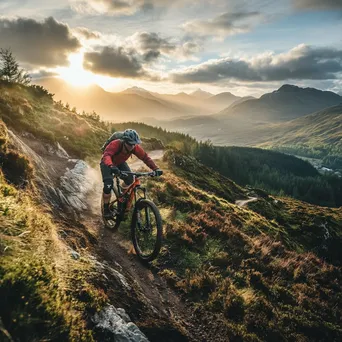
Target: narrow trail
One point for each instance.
(119, 253)
(243, 203)
(175, 320)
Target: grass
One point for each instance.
(40, 283)
(259, 271)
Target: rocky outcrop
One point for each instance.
(64, 182)
(115, 325)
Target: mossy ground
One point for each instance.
(45, 293)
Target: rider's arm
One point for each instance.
(142, 155)
(110, 151)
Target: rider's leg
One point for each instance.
(127, 180)
(107, 187)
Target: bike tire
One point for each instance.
(111, 224)
(141, 204)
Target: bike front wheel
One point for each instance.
(115, 207)
(146, 230)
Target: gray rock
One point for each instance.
(118, 324)
(61, 152)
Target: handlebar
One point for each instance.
(137, 174)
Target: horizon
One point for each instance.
(175, 92)
(247, 49)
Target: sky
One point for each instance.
(244, 47)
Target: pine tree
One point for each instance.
(9, 69)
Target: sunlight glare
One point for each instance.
(75, 74)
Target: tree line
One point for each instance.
(275, 172)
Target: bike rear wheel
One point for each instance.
(146, 230)
(114, 205)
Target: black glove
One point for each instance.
(115, 171)
(157, 172)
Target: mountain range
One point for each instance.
(136, 103)
(287, 103)
(282, 116)
(254, 121)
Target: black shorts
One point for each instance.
(107, 174)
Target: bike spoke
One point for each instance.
(146, 231)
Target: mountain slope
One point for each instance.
(286, 103)
(268, 271)
(201, 94)
(249, 272)
(317, 129)
(114, 107)
(223, 99)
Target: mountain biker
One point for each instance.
(114, 161)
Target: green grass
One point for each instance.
(39, 300)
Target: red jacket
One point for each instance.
(110, 156)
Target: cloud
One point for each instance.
(120, 7)
(115, 62)
(36, 75)
(151, 45)
(151, 41)
(190, 48)
(317, 4)
(46, 43)
(226, 24)
(85, 33)
(302, 62)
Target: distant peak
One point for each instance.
(135, 89)
(200, 93)
(286, 88)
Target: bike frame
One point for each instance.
(131, 192)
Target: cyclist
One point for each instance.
(114, 161)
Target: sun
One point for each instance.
(75, 74)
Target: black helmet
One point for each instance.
(131, 137)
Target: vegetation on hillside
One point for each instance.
(40, 283)
(264, 273)
(275, 172)
(318, 135)
(271, 271)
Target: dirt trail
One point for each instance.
(164, 300)
(243, 203)
(178, 318)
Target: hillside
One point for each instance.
(268, 271)
(320, 132)
(256, 122)
(287, 103)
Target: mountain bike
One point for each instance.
(146, 224)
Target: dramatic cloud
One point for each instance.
(45, 43)
(120, 7)
(317, 4)
(302, 62)
(151, 45)
(115, 62)
(223, 25)
(151, 41)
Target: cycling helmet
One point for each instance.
(131, 137)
